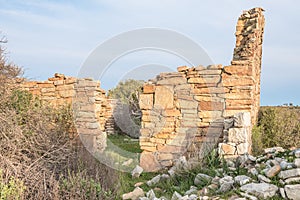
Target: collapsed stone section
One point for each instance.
(184, 112)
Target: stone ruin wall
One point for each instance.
(190, 111)
(93, 108)
(184, 113)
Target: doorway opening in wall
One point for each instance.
(126, 115)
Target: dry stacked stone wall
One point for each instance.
(190, 111)
(91, 106)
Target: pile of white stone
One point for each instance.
(275, 174)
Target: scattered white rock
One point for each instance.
(263, 179)
(253, 171)
(242, 179)
(165, 176)
(291, 180)
(289, 173)
(226, 179)
(202, 179)
(297, 162)
(137, 171)
(248, 196)
(192, 190)
(176, 196)
(151, 195)
(274, 150)
(154, 180)
(292, 191)
(134, 195)
(282, 193)
(261, 190)
(283, 165)
(193, 197)
(297, 153)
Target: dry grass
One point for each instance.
(37, 154)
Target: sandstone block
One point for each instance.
(165, 156)
(238, 135)
(172, 81)
(172, 112)
(239, 70)
(148, 89)
(149, 162)
(227, 149)
(210, 105)
(163, 98)
(146, 101)
(242, 148)
(187, 104)
(242, 119)
(182, 68)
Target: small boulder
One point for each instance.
(137, 171)
(242, 179)
(261, 190)
(134, 195)
(263, 179)
(150, 195)
(154, 180)
(297, 153)
(292, 191)
(289, 173)
(297, 162)
(176, 196)
(273, 171)
(202, 179)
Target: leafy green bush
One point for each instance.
(11, 189)
(277, 126)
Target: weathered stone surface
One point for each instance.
(227, 148)
(289, 173)
(149, 162)
(238, 135)
(242, 179)
(261, 190)
(172, 81)
(242, 119)
(176, 196)
(146, 101)
(292, 191)
(154, 180)
(264, 179)
(202, 179)
(273, 171)
(137, 171)
(297, 162)
(134, 195)
(163, 97)
(148, 89)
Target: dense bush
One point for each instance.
(38, 158)
(277, 126)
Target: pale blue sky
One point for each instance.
(57, 36)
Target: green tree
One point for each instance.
(127, 113)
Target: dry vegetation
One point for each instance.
(277, 126)
(38, 155)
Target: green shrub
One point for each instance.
(277, 126)
(11, 189)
